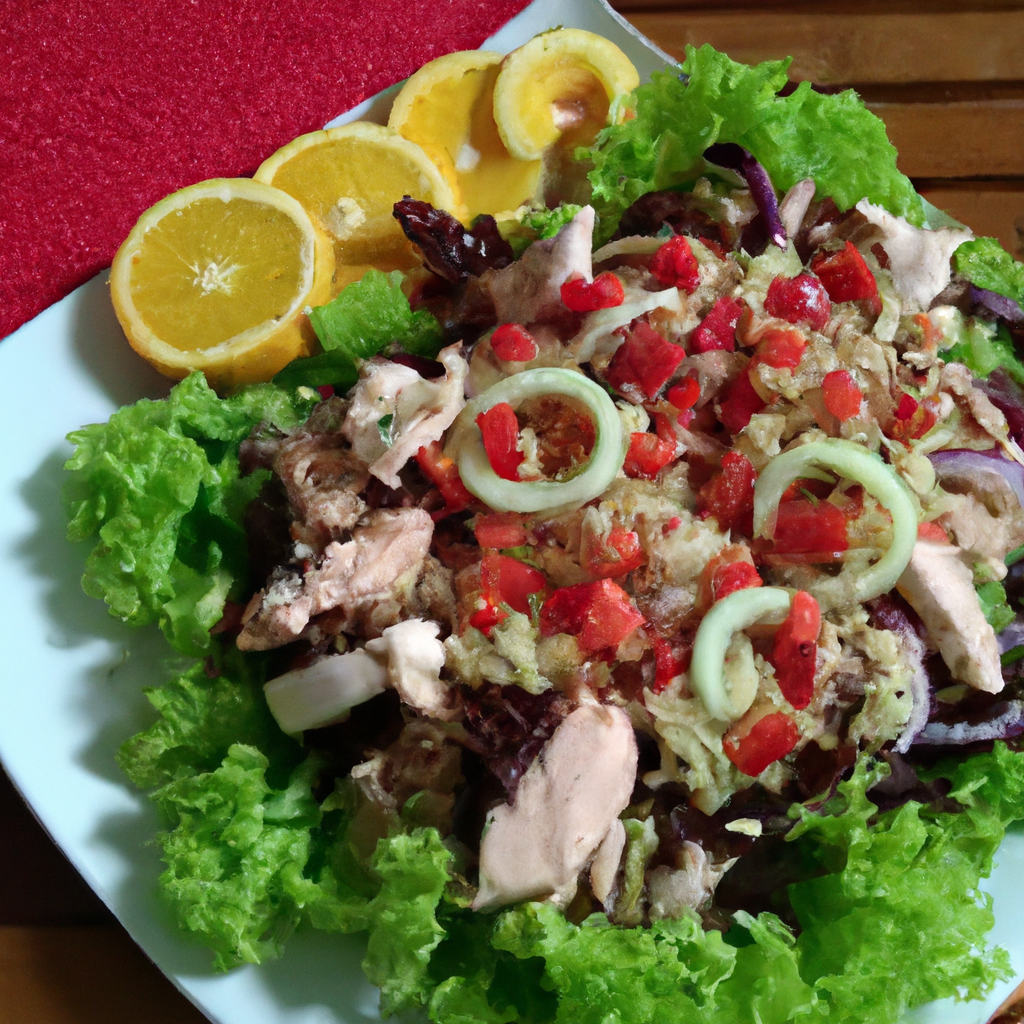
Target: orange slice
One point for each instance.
(563, 86)
(447, 107)
(215, 278)
(349, 179)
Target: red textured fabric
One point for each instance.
(106, 106)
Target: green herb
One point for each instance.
(997, 612)
(386, 429)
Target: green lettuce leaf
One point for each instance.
(834, 139)
(901, 887)
(233, 854)
(159, 485)
(998, 613)
(985, 263)
(367, 317)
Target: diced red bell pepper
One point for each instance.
(795, 651)
(513, 343)
(499, 429)
(841, 395)
(583, 296)
(610, 557)
(648, 455)
(500, 530)
(913, 418)
(733, 576)
(805, 529)
(669, 661)
(782, 348)
(644, 361)
(844, 274)
(442, 472)
(683, 395)
(718, 329)
(768, 740)
(932, 532)
(800, 299)
(600, 615)
(739, 403)
(729, 495)
(505, 580)
(675, 266)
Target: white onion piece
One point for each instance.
(323, 693)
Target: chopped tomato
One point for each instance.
(644, 361)
(500, 431)
(500, 530)
(716, 247)
(513, 343)
(733, 576)
(718, 329)
(729, 495)
(648, 455)
(600, 615)
(683, 395)
(739, 402)
(913, 418)
(841, 395)
(675, 266)
(795, 651)
(505, 580)
(583, 296)
(933, 532)
(800, 299)
(805, 528)
(781, 348)
(669, 661)
(844, 274)
(610, 557)
(769, 739)
(442, 472)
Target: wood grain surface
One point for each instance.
(948, 78)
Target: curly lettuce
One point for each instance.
(833, 139)
(158, 485)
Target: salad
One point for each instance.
(618, 619)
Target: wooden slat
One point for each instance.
(957, 140)
(820, 6)
(839, 48)
(994, 209)
(84, 976)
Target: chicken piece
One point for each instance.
(353, 576)
(421, 410)
(322, 476)
(675, 891)
(939, 586)
(606, 862)
(565, 804)
(530, 289)
(918, 258)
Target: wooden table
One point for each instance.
(947, 76)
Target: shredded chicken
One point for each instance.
(918, 258)
(564, 806)
(352, 576)
(939, 586)
(529, 289)
(421, 411)
(675, 891)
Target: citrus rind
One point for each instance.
(563, 85)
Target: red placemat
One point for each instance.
(106, 106)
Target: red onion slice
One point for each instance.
(1006, 721)
(965, 464)
(996, 305)
(736, 158)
